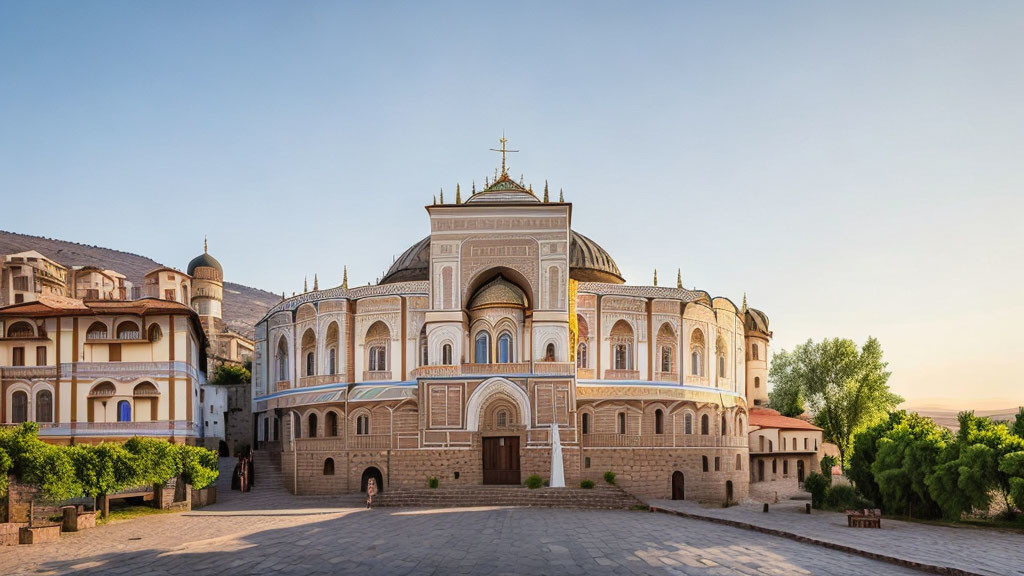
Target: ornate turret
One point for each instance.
(207, 285)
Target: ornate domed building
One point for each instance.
(482, 336)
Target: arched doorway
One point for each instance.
(760, 470)
(372, 472)
(800, 471)
(678, 486)
(728, 492)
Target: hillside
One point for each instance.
(243, 306)
(947, 418)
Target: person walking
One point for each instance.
(371, 490)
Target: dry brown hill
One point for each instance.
(243, 306)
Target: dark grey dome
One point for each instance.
(202, 260)
(588, 262)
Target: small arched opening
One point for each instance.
(372, 472)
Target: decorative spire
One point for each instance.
(474, 185)
(442, 195)
(679, 278)
(435, 199)
(305, 285)
(205, 250)
(504, 151)
(282, 295)
(344, 278)
(744, 302)
(530, 188)
(655, 276)
(546, 199)
(561, 196)
(487, 181)
(316, 283)
(521, 179)
(458, 194)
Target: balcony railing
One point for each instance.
(506, 368)
(376, 375)
(666, 376)
(585, 373)
(369, 442)
(622, 374)
(438, 371)
(281, 385)
(29, 372)
(559, 368)
(130, 370)
(156, 428)
(319, 380)
(662, 441)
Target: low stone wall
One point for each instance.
(164, 497)
(9, 533)
(39, 534)
(73, 520)
(204, 497)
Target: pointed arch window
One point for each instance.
(504, 348)
(688, 423)
(721, 365)
(549, 352)
(446, 355)
(362, 425)
(310, 364)
(332, 361)
(704, 425)
(666, 359)
(581, 355)
(482, 350)
(724, 427)
(378, 359)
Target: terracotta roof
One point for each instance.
(767, 418)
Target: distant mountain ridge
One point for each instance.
(243, 306)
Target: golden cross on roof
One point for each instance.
(504, 150)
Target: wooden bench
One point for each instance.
(141, 491)
(864, 518)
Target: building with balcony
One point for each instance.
(26, 276)
(95, 283)
(500, 324)
(783, 451)
(102, 370)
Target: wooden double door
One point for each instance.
(501, 460)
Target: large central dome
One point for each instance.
(588, 262)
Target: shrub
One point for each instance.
(432, 482)
(609, 477)
(817, 485)
(845, 497)
(587, 484)
(827, 462)
(231, 374)
(534, 481)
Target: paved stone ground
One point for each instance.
(976, 550)
(271, 532)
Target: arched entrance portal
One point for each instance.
(728, 492)
(678, 486)
(372, 472)
(800, 471)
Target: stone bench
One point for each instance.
(864, 518)
(74, 519)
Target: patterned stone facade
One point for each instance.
(481, 338)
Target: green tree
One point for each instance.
(970, 473)
(1012, 465)
(907, 455)
(1018, 423)
(231, 374)
(865, 451)
(845, 388)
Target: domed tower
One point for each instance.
(758, 336)
(207, 288)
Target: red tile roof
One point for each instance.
(767, 418)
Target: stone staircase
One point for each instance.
(604, 497)
(269, 477)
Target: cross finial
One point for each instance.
(504, 150)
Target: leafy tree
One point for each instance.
(907, 455)
(969, 473)
(1012, 465)
(786, 395)
(865, 452)
(817, 485)
(827, 463)
(1018, 424)
(845, 388)
(231, 374)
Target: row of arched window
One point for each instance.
(622, 350)
(659, 423)
(330, 425)
(20, 408)
(127, 330)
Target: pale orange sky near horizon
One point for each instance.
(855, 169)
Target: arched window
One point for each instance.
(721, 365)
(329, 467)
(297, 425)
(586, 423)
(44, 406)
(312, 425)
(424, 349)
(757, 381)
(785, 467)
(124, 411)
(19, 407)
(96, 331)
(378, 359)
(331, 424)
(504, 348)
(622, 346)
(446, 354)
(739, 426)
(724, 429)
(666, 346)
(704, 424)
(482, 351)
(282, 360)
(310, 364)
(739, 462)
(659, 421)
(697, 353)
(23, 330)
(775, 466)
(688, 423)
(549, 352)
(502, 419)
(622, 422)
(332, 348)
(666, 359)
(704, 463)
(753, 351)
(128, 331)
(155, 333)
(581, 355)
(332, 361)
(363, 425)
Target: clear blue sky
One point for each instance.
(854, 169)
